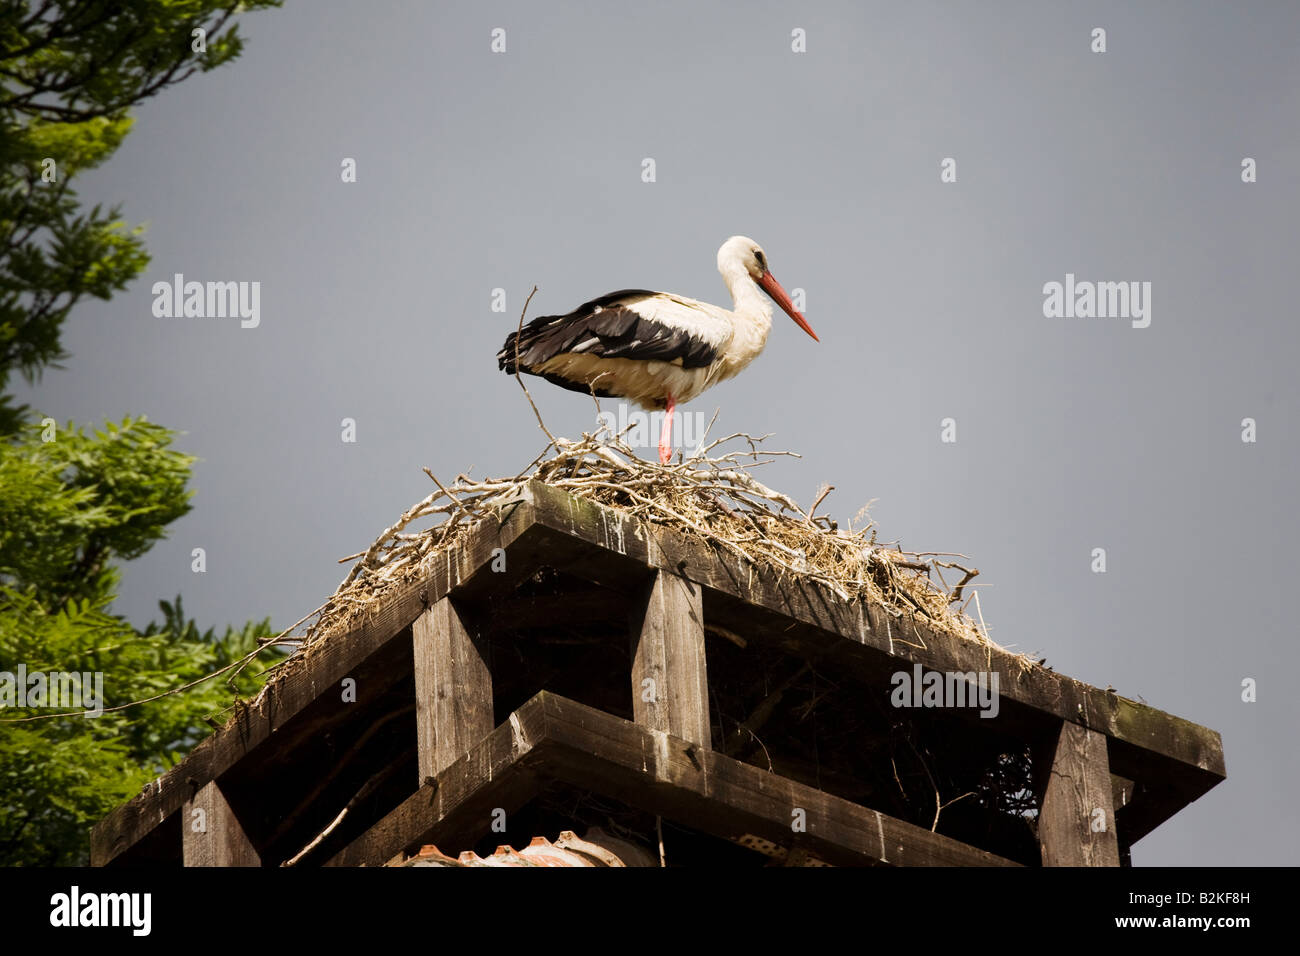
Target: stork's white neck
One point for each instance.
(748, 300)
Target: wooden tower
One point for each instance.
(567, 662)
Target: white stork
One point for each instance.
(656, 348)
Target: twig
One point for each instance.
(519, 378)
(368, 788)
(338, 766)
(826, 490)
(980, 612)
(969, 575)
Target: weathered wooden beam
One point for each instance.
(728, 798)
(453, 688)
(211, 834)
(670, 688)
(554, 738)
(1076, 816)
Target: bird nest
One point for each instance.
(711, 495)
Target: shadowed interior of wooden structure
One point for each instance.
(637, 683)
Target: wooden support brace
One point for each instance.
(211, 833)
(553, 739)
(453, 688)
(669, 681)
(1076, 817)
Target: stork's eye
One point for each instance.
(762, 260)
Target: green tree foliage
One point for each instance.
(72, 504)
(75, 501)
(82, 502)
(70, 70)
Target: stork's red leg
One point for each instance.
(666, 433)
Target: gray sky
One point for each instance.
(479, 170)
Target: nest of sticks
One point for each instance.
(711, 494)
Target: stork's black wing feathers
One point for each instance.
(606, 329)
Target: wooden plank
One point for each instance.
(670, 688)
(1191, 755)
(716, 794)
(453, 688)
(329, 662)
(211, 834)
(552, 737)
(1076, 817)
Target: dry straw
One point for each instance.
(711, 494)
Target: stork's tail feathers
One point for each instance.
(506, 357)
(529, 344)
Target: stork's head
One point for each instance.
(741, 252)
(744, 252)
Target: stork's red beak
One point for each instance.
(773, 288)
